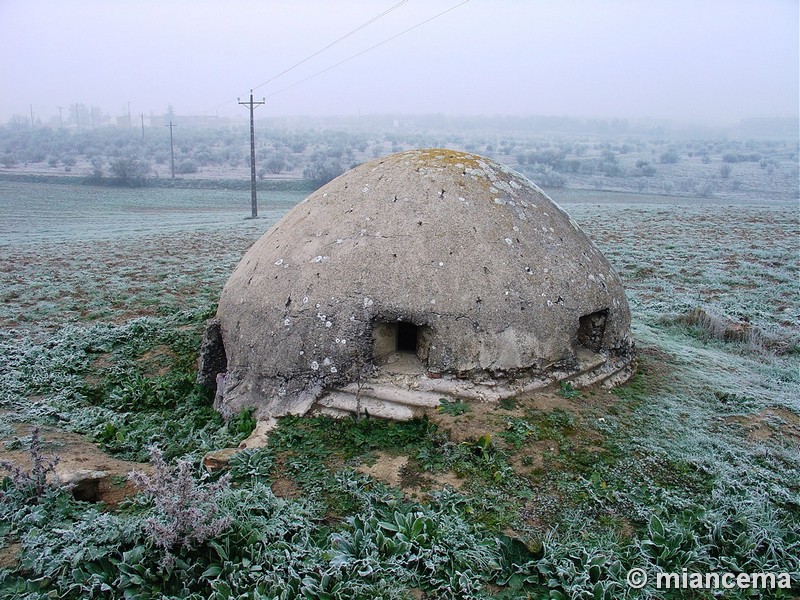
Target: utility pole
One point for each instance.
(171, 148)
(31, 116)
(60, 118)
(142, 126)
(252, 105)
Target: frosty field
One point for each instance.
(694, 463)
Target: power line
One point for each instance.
(344, 37)
(318, 52)
(387, 40)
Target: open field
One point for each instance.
(693, 464)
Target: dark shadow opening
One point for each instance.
(407, 337)
(592, 330)
(87, 491)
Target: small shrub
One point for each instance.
(186, 166)
(29, 484)
(185, 511)
(130, 170)
(670, 157)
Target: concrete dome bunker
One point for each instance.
(423, 274)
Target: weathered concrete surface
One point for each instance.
(447, 256)
(212, 360)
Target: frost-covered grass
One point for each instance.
(692, 464)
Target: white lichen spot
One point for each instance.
(509, 241)
(314, 366)
(367, 302)
(328, 324)
(287, 322)
(366, 189)
(279, 262)
(499, 201)
(327, 361)
(302, 352)
(319, 259)
(441, 264)
(333, 369)
(305, 299)
(433, 301)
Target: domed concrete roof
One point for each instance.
(420, 274)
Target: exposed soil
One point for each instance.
(768, 424)
(93, 475)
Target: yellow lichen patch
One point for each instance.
(449, 158)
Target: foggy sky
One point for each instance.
(712, 61)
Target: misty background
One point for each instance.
(711, 62)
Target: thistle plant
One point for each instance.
(185, 511)
(30, 484)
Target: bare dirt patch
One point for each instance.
(93, 475)
(9, 556)
(769, 424)
(402, 472)
(157, 361)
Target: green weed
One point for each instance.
(455, 407)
